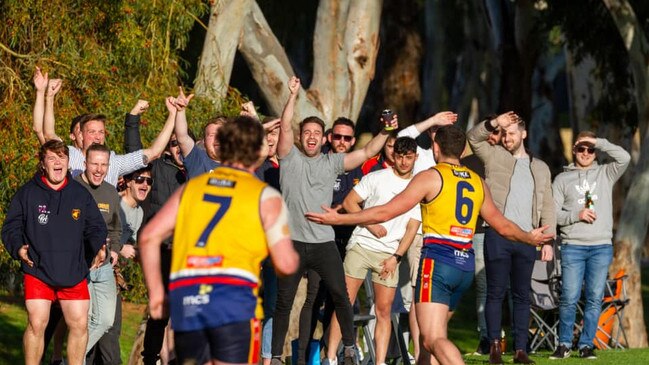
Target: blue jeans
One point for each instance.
(103, 303)
(579, 264)
(480, 283)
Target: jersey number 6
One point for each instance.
(462, 202)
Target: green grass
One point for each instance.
(462, 331)
(13, 319)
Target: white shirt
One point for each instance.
(378, 188)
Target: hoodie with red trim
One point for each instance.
(60, 227)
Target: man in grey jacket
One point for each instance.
(584, 204)
(521, 189)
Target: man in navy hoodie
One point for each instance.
(52, 225)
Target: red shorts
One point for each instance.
(37, 289)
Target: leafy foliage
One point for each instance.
(109, 54)
(588, 29)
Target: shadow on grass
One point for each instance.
(12, 325)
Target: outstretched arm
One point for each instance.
(437, 120)
(53, 88)
(286, 138)
(185, 142)
(356, 158)
(40, 82)
(160, 143)
(132, 138)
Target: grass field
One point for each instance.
(461, 331)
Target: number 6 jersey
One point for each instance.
(449, 220)
(219, 243)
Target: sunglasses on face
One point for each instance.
(338, 137)
(141, 179)
(582, 149)
(173, 143)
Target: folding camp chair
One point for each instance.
(544, 309)
(615, 299)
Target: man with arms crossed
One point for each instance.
(584, 203)
(215, 268)
(307, 179)
(51, 226)
(379, 247)
(446, 263)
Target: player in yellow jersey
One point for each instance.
(224, 223)
(446, 264)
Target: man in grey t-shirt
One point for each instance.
(306, 178)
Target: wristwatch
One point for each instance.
(399, 257)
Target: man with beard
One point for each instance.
(522, 191)
(52, 225)
(306, 178)
(446, 264)
(105, 303)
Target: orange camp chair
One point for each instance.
(615, 299)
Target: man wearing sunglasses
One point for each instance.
(584, 204)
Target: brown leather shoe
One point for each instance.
(495, 357)
(520, 357)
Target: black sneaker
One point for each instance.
(587, 353)
(562, 352)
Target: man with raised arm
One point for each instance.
(307, 178)
(93, 130)
(447, 261)
(522, 191)
(215, 268)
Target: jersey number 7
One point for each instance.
(224, 205)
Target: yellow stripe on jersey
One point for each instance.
(450, 218)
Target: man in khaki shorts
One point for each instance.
(379, 247)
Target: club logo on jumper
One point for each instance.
(204, 261)
(76, 213)
(461, 174)
(203, 296)
(337, 185)
(104, 207)
(43, 216)
(463, 232)
(461, 253)
(583, 188)
(223, 183)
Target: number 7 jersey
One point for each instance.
(449, 220)
(219, 243)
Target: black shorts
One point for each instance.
(238, 343)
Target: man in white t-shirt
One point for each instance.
(379, 247)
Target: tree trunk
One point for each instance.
(217, 58)
(632, 228)
(433, 68)
(584, 91)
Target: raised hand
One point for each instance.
(248, 110)
(182, 101)
(40, 79)
(506, 119)
(294, 85)
(170, 103)
(272, 125)
(444, 118)
(140, 107)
